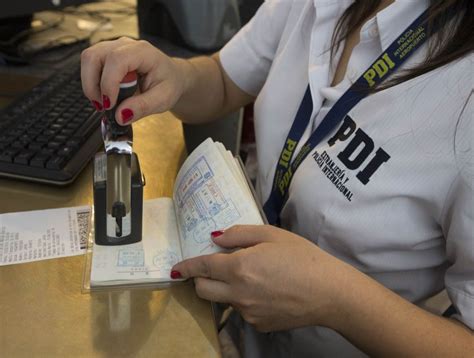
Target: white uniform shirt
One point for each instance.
(409, 223)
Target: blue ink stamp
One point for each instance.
(164, 260)
(131, 258)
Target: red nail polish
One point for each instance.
(127, 115)
(217, 233)
(175, 275)
(97, 105)
(105, 101)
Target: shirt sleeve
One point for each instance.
(248, 56)
(459, 222)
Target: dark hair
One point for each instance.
(454, 38)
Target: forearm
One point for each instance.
(382, 323)
(208, 93)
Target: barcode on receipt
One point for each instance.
(83, 227)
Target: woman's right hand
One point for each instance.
(103, 66)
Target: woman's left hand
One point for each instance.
(278, 280)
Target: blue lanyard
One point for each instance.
(386, 64)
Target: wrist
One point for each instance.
(342, 296)
(184, 73)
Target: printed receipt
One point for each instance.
(43, 234)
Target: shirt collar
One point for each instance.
(391, 21)
(395, 18)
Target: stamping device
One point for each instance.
(118, 181)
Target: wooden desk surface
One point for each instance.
(42, 310)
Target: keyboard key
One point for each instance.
(25, 138)
(54, 113)
(42, 138)
(73, 143)
(15, 133)
(33, 132)
(30, 121)
(39, 160)
(36, 146)
(73, 125)
(8, 155)
(6, 119)
(55, 127)
(56, 163)
(20, 109)
(65, 152)
(48, 120)
(40, 125)
(49, 133)
(62, 121)
(6, 139)
(67, 132)
(17, 145)
(47, 151)
(24, 157)
(60, 138)
(23, 126)
(54, 145)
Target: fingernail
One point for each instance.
(105, 101)
(175, 275)
(97, 105)
(127, 115)
(217, 233)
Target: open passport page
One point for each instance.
(211, 193)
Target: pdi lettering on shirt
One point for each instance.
(358, 140)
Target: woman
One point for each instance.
(379, 214)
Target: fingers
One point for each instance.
(158, 99)
(213, 290)
(216, 266)
(118, 62)
(92, 60)
(246, 236)
(104, 65)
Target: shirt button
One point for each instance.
(374, 32)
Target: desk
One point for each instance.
(43, 312)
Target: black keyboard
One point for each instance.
(49, 134)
